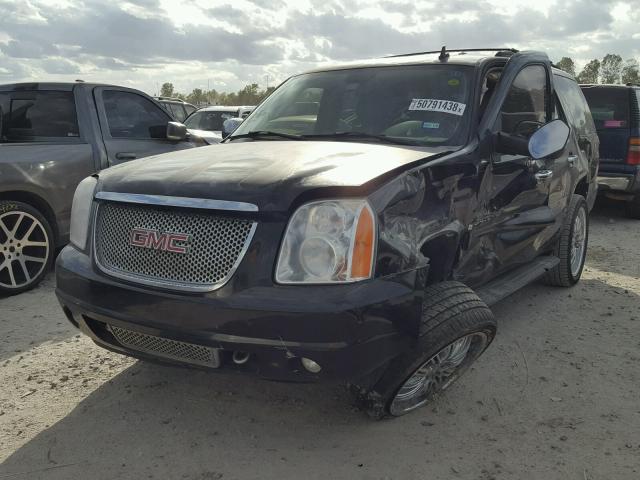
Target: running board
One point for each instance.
(512, 281)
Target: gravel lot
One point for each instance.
(557, 396)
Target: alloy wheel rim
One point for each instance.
(438, 373)
(578, 242)
(24, 249)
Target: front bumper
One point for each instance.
(351, 331)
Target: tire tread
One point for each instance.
(560, 275)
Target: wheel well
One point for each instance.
(582, 188)
(36, 202)
(442, 252)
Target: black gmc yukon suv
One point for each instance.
(361, 240)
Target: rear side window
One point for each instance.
(209, 120)
(177, 111)
(609, 106)
(37, 116)
(525, 107)
(130, 115)
(575, 105)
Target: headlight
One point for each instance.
(331, 241)
(80, 212)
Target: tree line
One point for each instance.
(248, 95)
(611, 69)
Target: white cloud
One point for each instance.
(229, 43)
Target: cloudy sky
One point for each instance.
(194, 43)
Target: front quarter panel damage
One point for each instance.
(419, 228)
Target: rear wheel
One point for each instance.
(26, 247)
(571, 247)
(456, 328)
(633, 207)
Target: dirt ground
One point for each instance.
(557, 396)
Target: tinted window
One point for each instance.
(609, 106)
(525, 107)
(177, 111)
(574, 104)
(418, 104)
(38, 116)
(189, 109)
(132, 116)
(208, 120)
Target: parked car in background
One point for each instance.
(207, 122)
(179, 109)
(362, 243)
(52, 136)
(616, 113)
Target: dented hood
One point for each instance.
(270, 174)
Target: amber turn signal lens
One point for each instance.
(362, 258)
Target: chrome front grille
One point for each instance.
(215, 247)
(166, 348)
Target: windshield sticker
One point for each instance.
(430, 125)
(454, 82)
(434, 105)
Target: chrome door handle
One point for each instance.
(572, 159)
(543, 175)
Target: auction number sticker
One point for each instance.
(435, 105)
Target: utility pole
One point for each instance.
(266, 80)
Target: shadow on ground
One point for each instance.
(32, 318)
(154, 421)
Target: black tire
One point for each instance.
(562, 275)
(25, 235)
(451, 312)
(633, 208)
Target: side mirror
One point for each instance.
(176, 131)
(547, 141)
(230, 125)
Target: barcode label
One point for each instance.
(435, 105)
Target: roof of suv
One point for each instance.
(460, 57)
(64, 86)
(609, 85)
(171, 100)
(224, 108)
(471, 57)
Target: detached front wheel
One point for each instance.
(26, 247)
(456, 328)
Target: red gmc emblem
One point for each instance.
(167, 242)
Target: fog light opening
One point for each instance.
(240, 358)
(310, 365)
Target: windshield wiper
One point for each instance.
(266, 133)
(381, 138)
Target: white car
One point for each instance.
(207, 122)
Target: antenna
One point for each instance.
(443, 54)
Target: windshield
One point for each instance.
(417, 104)
(609, 106)
(208, 120)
